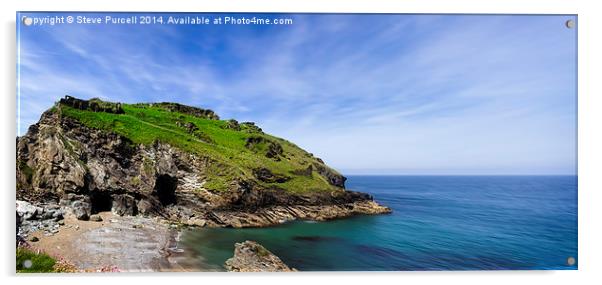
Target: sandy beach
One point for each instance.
(132, 244)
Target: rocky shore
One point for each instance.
(109, 242)
(45, 218)
(138, 243)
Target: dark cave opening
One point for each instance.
(165, 189)
(101, 201)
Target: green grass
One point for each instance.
(40, 263)
(261, 251)
(26, 170)
(145, 124)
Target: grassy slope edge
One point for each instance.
(147, 123)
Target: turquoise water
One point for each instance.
(438, 223)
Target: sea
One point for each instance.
(438, 223)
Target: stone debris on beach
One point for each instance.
(96, 218)
(42, 217)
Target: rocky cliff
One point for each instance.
(178, 162)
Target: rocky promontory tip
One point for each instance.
(249, 256)
(176, 162)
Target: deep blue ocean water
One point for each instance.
(438, 223)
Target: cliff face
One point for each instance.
(178, 162)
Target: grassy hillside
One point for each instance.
(38, 262)
(239, 148)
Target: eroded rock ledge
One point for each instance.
(281, 214)
(250, 256)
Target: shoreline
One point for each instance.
(110, 242)
(126, 243)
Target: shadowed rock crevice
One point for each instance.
(101, 201)
(265, 175)
(165, 189)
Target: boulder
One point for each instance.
(250, 256)
(47, 214)
(58, 214)
(26, 210)
(81, 210)
(79, 205)
(96, 218)
(197, 222)
(233, 125)
(274, 151)
(145, 207)
(124, 205)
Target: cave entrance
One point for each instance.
(165, 189)
(101, 201)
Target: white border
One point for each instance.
(590, 140)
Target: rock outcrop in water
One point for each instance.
(250, 256)
(177, 162)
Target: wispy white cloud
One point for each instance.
(394, 92)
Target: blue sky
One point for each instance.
(370, 94)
